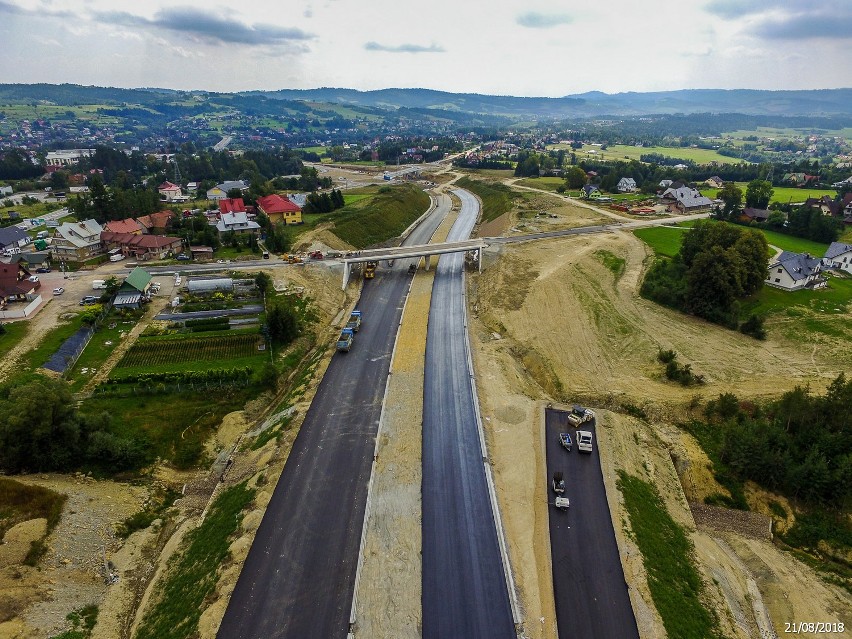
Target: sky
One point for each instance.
(531, 48)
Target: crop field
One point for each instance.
(160, 352)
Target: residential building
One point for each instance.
(664, 184)
(756, 215)
(220, 191)
(795, 271)
(77, 241)
(591, 192)
(686, 200)
(13, 237)
(279, 209)
(232, 205)
(715, 182)
(128, 225)
(6, 190)
(201, 253)
(156, 223)
(134, 290)
(67, 157)
(142, 247)
(626, 185)
(15, 283)
(236, 223)
(836, 185)
(171, 193)
(838, 255)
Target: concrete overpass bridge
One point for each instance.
(408, 252)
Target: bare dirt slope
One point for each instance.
(550, 320)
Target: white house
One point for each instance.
(795, 271)
(237, 222)
(839, 256)
(171, 193)
(626, 185)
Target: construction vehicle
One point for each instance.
(315, 255)
(292, 258)
(412, 268)
(344, 342)
(370, 270)
(558, 483)
(580, 415)
(565, 440)
(354, 321)
(584, 441)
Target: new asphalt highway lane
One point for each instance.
(591, 595)
(464, 587)
(299, 577)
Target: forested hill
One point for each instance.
(784, 103)
(592, 104)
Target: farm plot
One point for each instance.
(165, 352)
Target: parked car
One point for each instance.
(42, 269)
(88, 300)
(183, 257)
(33, 278)
(58, 290)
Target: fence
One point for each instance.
(161, 388)
(24, 312)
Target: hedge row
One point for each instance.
(206, 321)
(187, 377)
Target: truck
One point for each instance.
(370, 270)
(584, 441)
(354, 321)
(580, 415)
(99, 284)
(344, 342)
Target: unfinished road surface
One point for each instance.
(464, 586)
(588, 582)
(299, 577)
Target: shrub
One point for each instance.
(754, 326)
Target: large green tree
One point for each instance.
(758, 194)
(732, 197)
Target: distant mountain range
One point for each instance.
(823, 102)
(594, 103)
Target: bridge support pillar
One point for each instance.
(479, 259)
(346, 271)
(428, 261)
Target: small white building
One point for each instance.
(626, 185)
(838, 255)
(171, 193)
(795, 271)
(237, 222)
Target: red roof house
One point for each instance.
(279, 209)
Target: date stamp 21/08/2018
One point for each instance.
(813, 627)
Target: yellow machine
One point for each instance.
(370, 270)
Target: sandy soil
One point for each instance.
(549, 320)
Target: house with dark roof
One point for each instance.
(715, 182)
(591, 192)
(795, 271)
(236, 223)
(279, 209)
(13, 237)
(220, 191)
(755, 215)
(15, 281)
(156, 222)
(686, 200)
(838, 255)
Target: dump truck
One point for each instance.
(584, 441)
(354, 321)
(344, 342)
(370, 270)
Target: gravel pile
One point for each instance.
(748, 524)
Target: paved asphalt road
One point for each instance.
(299, 578)
(464, 588)
(591, 594)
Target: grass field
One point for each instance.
(782, 194)
(625, 152)
(377, 219)
(674, 581)
(14, 333)
(103, 342)
(544, 183)
(666, 240)
(497, 198)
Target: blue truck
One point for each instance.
(354, 321)
(344, 342)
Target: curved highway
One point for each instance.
(464, 586)
(299, 577)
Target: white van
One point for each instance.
(97, 284)
(117, 257)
